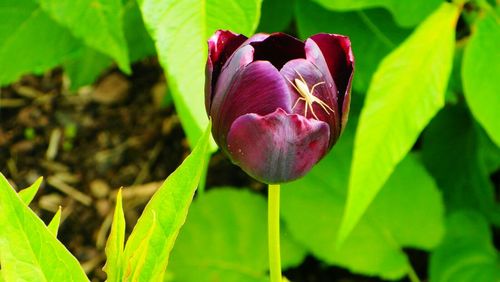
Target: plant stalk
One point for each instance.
(273, 217)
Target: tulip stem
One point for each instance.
(273, 217)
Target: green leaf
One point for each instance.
(225, 236)
(181, 30)
(140, 44)
(406, 13)
(27, 195)
(467, 252)
(169, 206)
(97, 22)
(53, 225)
(28, 251)
(86, 67)
(459, 167)
(407, 90)
(276, 15)
(31, 41)
(408, 212)
(115, 243)
(372, 32)
(136, 263)
(480, 75)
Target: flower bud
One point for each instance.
(277, 104)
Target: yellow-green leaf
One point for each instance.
(28, 250)
(115, 243)
(406, 91)
(480, 70)
(27, 195)
(53, 225)
(168, 207)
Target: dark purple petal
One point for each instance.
(242, 57)
(337, 52)
(277, 147)
(257, 88)
(220, 47)
(278, 48)
(326, 92)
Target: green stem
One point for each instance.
(273, 217)
(412, 274)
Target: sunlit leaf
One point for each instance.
(181, 30)
(27, 195)
(467, 252)
(28, 250)
(31, 41)
(373, 34)
(480, 71)
(406, 13)
(115, 243)
(97, 22)
(407, 90)
(225, 238)
(168, 208)
(408, 212)
(53, 225)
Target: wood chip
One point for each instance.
(69, 190)
(111, 90)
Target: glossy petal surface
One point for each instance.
(277, 147)
(240, 58)
(326, 92)
(257, 88)
(337, 52)
(220, 47)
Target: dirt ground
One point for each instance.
(115, 133)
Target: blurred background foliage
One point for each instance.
(417, 168)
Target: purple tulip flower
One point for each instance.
(277, 104)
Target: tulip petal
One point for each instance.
(326, 92)
(278, 48)
(221, 46)
(337, 52)
(277, 147)
(256, 88)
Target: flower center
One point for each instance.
(307, 95)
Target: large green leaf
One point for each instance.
(407, 90)
(28, 250)
(180, 29)
(89, 64)
(140, 44)
(372, 32)
(276, 15)
(467, 252)
(224, 239)
(97, 22)
(146, 259)
(480, 74)
(459, 167)
(408, 212)
(406, 13)
(31, 41)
